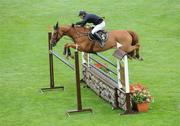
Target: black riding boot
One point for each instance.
(101, 43)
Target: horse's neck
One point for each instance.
(82, 29)
(73, 31)
(64, 28)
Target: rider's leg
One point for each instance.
(96, 29)
(97, 36)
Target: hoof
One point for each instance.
(67, 57)
(72, 57)
(137, 45)
(141, 59)
(130, 57)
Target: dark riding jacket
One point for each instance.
(90, 18)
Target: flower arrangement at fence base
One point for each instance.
(141, 97)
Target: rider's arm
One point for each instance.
(83, 22)
(79, 23)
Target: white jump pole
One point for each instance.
(126, 74)
(118, 69)
(83, 60)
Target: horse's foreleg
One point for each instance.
(69, 52)
(68, 46)
(74, 46)
(65, 49)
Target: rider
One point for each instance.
(96, 20)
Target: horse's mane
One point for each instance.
(77, 28)
(82, 29)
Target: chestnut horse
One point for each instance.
(128, 40)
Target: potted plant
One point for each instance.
(141, 97)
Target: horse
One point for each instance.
(128, 40)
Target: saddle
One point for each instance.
(102, 33)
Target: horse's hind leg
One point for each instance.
(136, 52)
(131, 51)
(138, 56)
(133, 48)
(131, 54)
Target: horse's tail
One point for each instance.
(135, 40)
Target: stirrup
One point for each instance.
(101, 44)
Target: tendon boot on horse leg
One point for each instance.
(138, 56)
(132, 55)
(69, 53)
(135, 53)
(99, 39)
(65, 51)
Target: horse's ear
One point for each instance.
(72, 25)
(56, 26)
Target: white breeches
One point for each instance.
(98, 27)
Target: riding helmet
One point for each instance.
(82, 12)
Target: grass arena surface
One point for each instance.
(24, 62)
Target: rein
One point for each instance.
(79, 34)
(84, 33)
